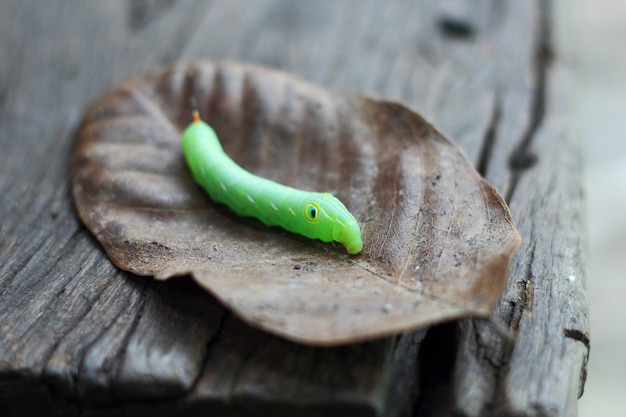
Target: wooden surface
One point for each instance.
(80, 337)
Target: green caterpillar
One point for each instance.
(314, 215)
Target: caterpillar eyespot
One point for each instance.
(314, 215)
(311, 212)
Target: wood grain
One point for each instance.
(82, 337)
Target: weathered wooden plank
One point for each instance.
(78, 334)
(545, 302)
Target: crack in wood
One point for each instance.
(522, 158)
(437, 357)
(49, 379)
(246, 358)
(409, 373)
(121, 355)
(213, 340)
(524, 292)
(580, 336)
(491, 135)
(80, 372)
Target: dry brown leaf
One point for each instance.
(437, 237)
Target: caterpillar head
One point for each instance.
(329, 220)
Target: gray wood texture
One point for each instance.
(80, 337)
